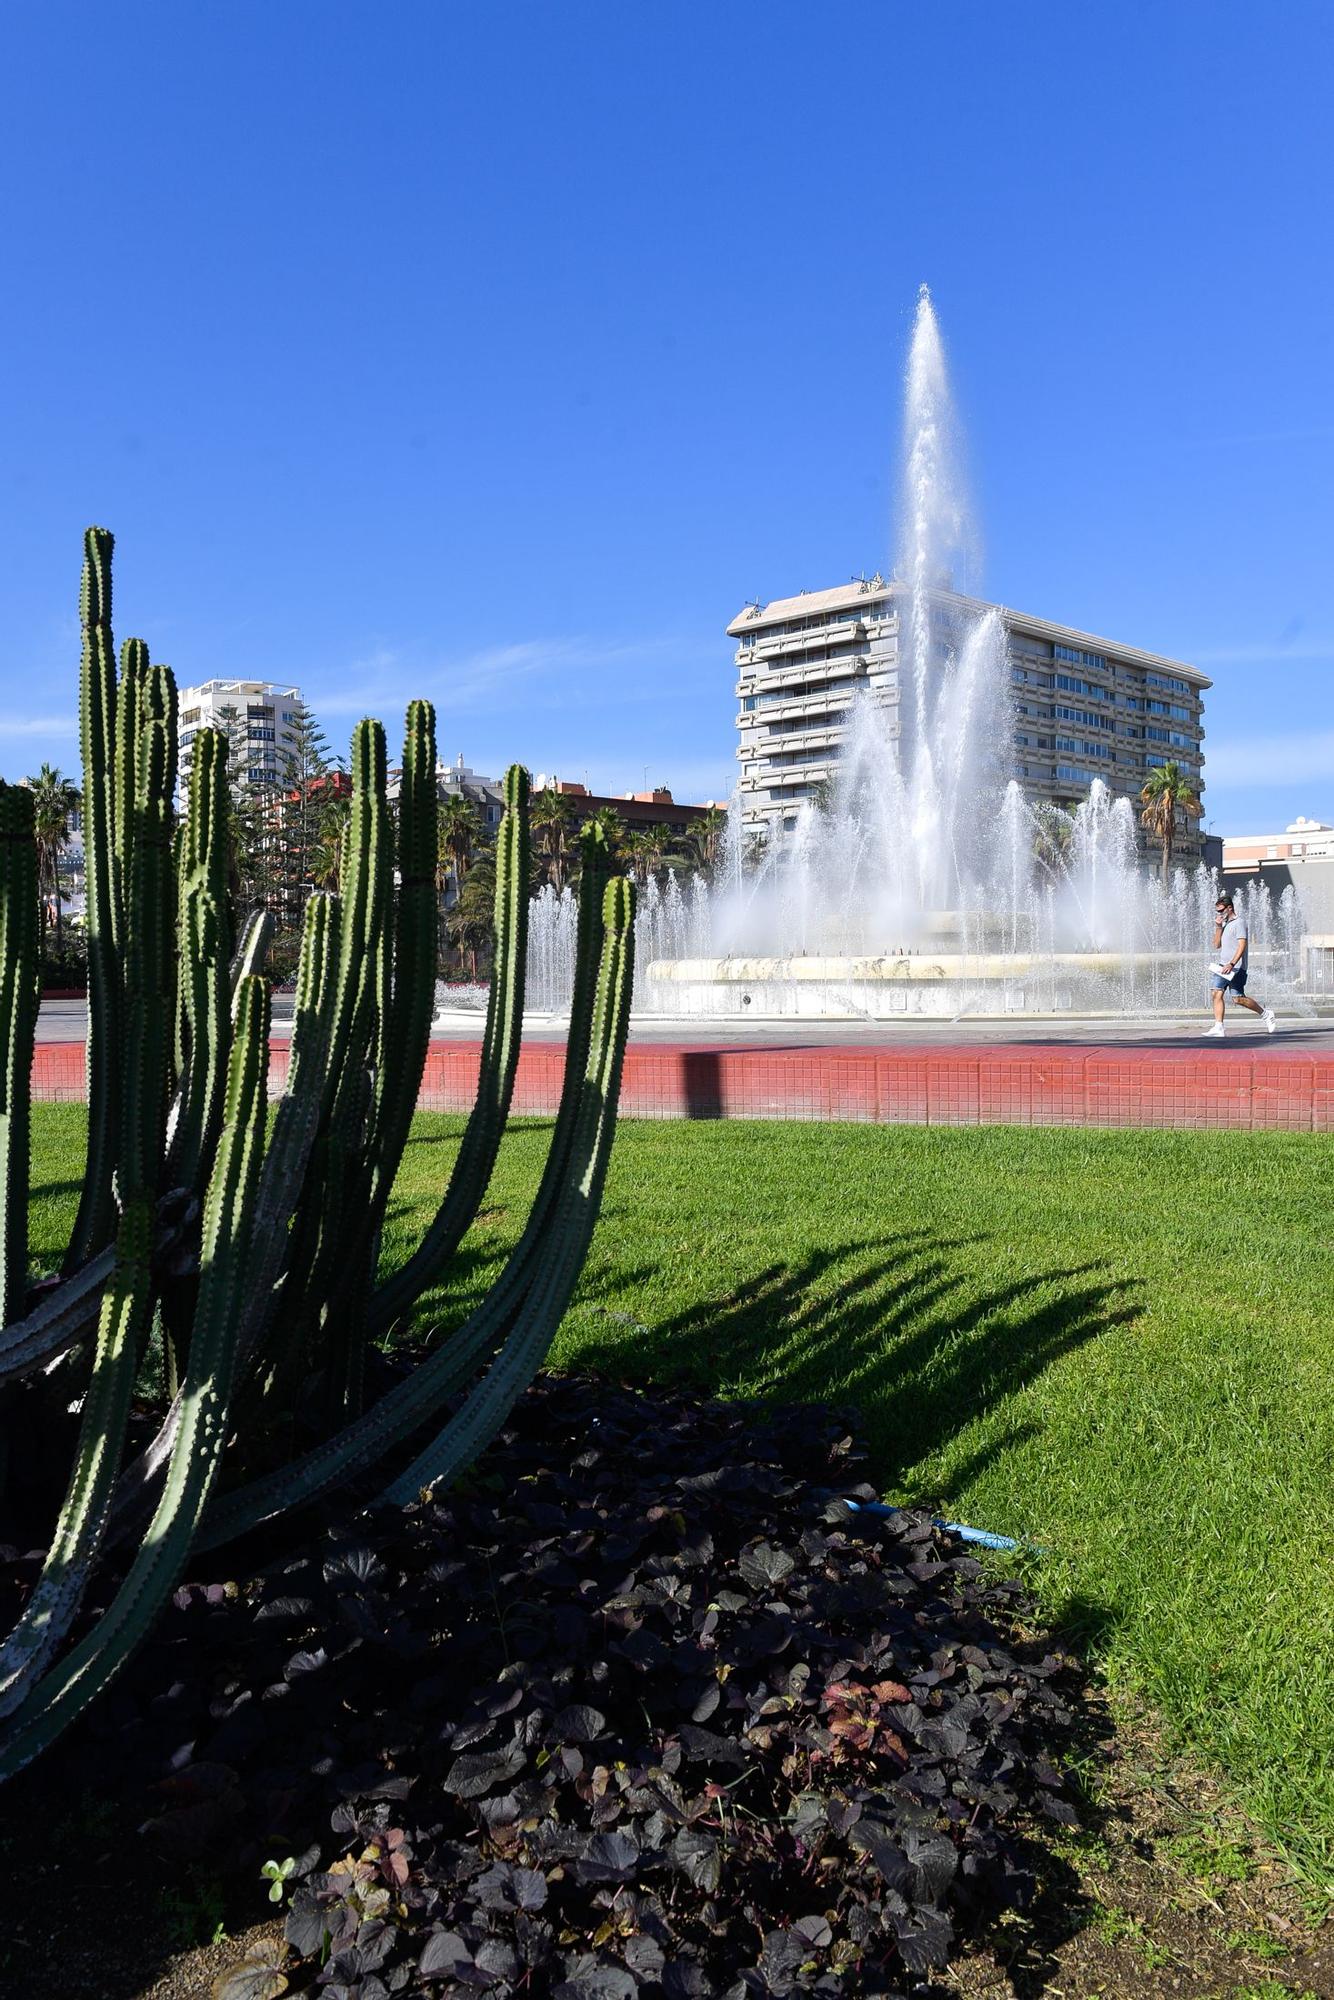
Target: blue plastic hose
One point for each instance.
(965, 1534)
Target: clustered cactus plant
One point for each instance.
(246, 1254)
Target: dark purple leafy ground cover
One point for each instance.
(641, 1710)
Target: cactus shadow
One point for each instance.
(894, 1327)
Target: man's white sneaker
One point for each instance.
(1215, 1033)
(1270, 1022)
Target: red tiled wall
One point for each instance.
(1018, 1085)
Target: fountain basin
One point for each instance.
(929, 982)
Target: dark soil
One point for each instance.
(644, 1709)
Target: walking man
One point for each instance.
(1229, 968)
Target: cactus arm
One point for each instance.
(411, 1403)
(297, 1119)
(125, 743)
(205, 949)
(58, 1321)
(158, 702)
(404, 1011)
(495, 1084)
(94, 1223)
(483, 1413)
(365, 878)
(280, 1183)
(18, 1025)
(225, 1270)
(123, 1323)
(127, 1307)
(317, 1269)
(251, 952)
(398, 1079)
(71, 1310)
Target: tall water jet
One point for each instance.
(924, 881)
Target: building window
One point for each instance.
(1078, 658)
(256, 734)
(190, 715)
(1085, 721)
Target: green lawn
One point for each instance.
(1115, 1343)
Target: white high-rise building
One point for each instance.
(263, 713)
(1083, 707)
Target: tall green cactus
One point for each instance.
(225, 1263)
(97, 729)
(580, 1146)
(499, 1065)
(127, 1305)
(205, 949)
(18, 1015)
(277, 1292)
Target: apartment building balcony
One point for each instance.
(780, 777)
(854, 668)
(828, 738)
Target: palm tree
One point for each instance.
(1167, 798)
(55, 797)
(641, 850)
(326, 859)
(703, 837)
(459, 825)
(470, 924)
(613, 827)
(551, 817)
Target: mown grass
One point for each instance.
(1115, 1344)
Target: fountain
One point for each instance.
(927, 884)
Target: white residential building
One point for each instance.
(263, 712)
(1083, 707)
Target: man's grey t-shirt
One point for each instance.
(1234, 931)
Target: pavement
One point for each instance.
(66, 1021)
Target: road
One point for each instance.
(66, 1021)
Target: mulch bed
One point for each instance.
(644, 1708)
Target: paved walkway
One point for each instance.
(66, 1021)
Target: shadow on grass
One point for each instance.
(525, 1125)
(55, 1190)
(889, 1326)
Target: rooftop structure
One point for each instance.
(654, 808)
(1084, 707)
(1304, 839)
(459, 780)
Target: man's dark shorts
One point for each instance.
(1237, 983)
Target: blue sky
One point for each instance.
(498, 353)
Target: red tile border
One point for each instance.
(1016, 1084)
